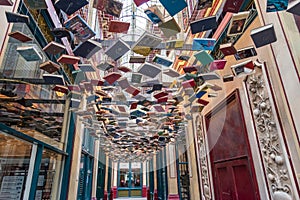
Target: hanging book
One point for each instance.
(243, 68)
(62, 32)
(149, 70)
(277, 5)
(237, 23)
(97, 82)
(113, 8)
(87, 49)
(99, 4)
(189, 69)
(86, 68)
(124, 69)
(53, 79)
(174, 44)
(233, 6)
(112, 77)
(79, 27)
(136, 77)
(203, 57)
(36, 4)
(263, 35)
(29, 53)
(68, 59)
(227, 49)
(188, 83)
(105, 66)
(161, 60)
(204, 24)
(228, 78)
(49, 67)
(20, 36)
(174, 7)
(54, 48)
(294, 8)
(132, 90)
(245, 53)
(203, 44)
(16, 17)
(137, 59)
(140, 2)
(184, 57)
(123, 83)
(154, 14)
(217, 65)
(202, 4)
(146, 43)
(169, 27)
(117, 50)
(203, 102)
(118, 26)
(209, 76)
(70, 6)
(6, 3)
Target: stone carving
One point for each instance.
(203, 160)
(267, 133)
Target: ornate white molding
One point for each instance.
(206, 186)
(270, 146)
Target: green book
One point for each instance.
(203, 57)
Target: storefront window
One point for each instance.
(14, 165)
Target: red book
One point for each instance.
(140, 2)
(6, 3)
(54, 48)
(61, 88)
(188, 83)
(227, 49)
(49, 67)
(190, 69)
(74, 88)
(232, 6)
(97, 82)
(133, 105)
(20, 36)
(133, 90)
(162, 100)
(203, 102)
(217, 65)
(67, 59)
(118, 26)
(124, 69)
(160, 95)
(112, 77)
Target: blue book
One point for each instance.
(29, 53)
(173, 7)
(53, 79)
(203, 44)
(277, 5)
(87, 49)
(70, 6)
(154, 14)
(203, 57)
(203, 24)
(161, 60)
(16, 17)
(86, 68)
(200, 94)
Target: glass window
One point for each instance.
(14, 165)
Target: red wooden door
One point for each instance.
(231, 160)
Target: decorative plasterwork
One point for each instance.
(206, 187)
(268, 137)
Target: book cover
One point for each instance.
(277, 5)
(171, 72)
(54, 79)
(227, 49)
(294, 8)
(124, 69)
(16, 17)
(203, 102)
(99, 4)
(233, 6)
(105, 66)
(36, 4)
(118, 26)
(174, 7)
(160, 94)
(112, 77)
(61, 88)
(87, 49)
(202, 4)
(146, 43)
(67, 59)
(88, 86)
(97, 82)
(123, 83)
(74, 88)
(189, 69)
(149, 70)
(263, 35)
(245, 53)
(154, 14)
(228, 78)
(49, 67)
(79, 27)
(113, 7)
(217, 65)
(62, 32)
(184, 57)
(117, 50)
(200, 93)
(86, 67)
(188, 83)
(203, 44)
(54, 48)
(137, 59)
(29, 53)
(243, 68)
(133, 105)
(174, 44)
(159, 108)
(162, 100)
(136, 77)
(209, 76)
(140, 2)
(162, 60)
(237, 23)
(203, 57)
(203, 24)
(6, 3)
(20, 36)
(70, 6)
(132, 90)
(169, 27)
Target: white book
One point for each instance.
(117, 50)
(171, 72)
(149, 70)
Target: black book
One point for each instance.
(87, 49)
(53, 79)
(70, 6)
(16, 17)
(294, 8)
(204, 24)
(263, 35)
